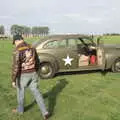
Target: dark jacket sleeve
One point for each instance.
(15, 66)
(37, 61)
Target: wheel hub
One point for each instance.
(45, 70)
(117, 65)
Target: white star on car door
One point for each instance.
(68, 60)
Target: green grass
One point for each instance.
(89, 96)
(111, 39)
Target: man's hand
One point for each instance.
(13, 84)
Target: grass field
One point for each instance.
(80, 96)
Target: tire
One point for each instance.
(116, 65)
(46, 71)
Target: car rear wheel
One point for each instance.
(116, 66)
(46, 70)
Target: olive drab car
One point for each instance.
(62, 53)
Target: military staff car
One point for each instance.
(62, 53)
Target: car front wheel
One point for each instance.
(116, 66)
(46, 70)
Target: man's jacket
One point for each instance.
(25, 60)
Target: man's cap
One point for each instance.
(17, 37)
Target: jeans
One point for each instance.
(29, 80)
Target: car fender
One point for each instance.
(44, 57)
(111, 57)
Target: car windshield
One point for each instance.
(36, 43)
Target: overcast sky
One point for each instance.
(63, 16)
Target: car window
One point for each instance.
(51, 44)
(61, 43)
(72, 43)
(55, 44)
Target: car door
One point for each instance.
(66, 54)
(57, 48)
(72, 54)
(77, 53)
(87, 54)
(100, 53)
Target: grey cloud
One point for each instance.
(88, 16)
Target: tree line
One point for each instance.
(2, 30)
(26, 31)
(112, 34)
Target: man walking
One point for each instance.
(24, 74)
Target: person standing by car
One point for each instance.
(24, 74)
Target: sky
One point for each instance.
(63, 16)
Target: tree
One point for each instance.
(45, 30)
(27, 30)
(17, 29)
(14, 29)
(36, 31)
(2, 30)
(24, 30)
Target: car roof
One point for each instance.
(61, 36)
(67, 36)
